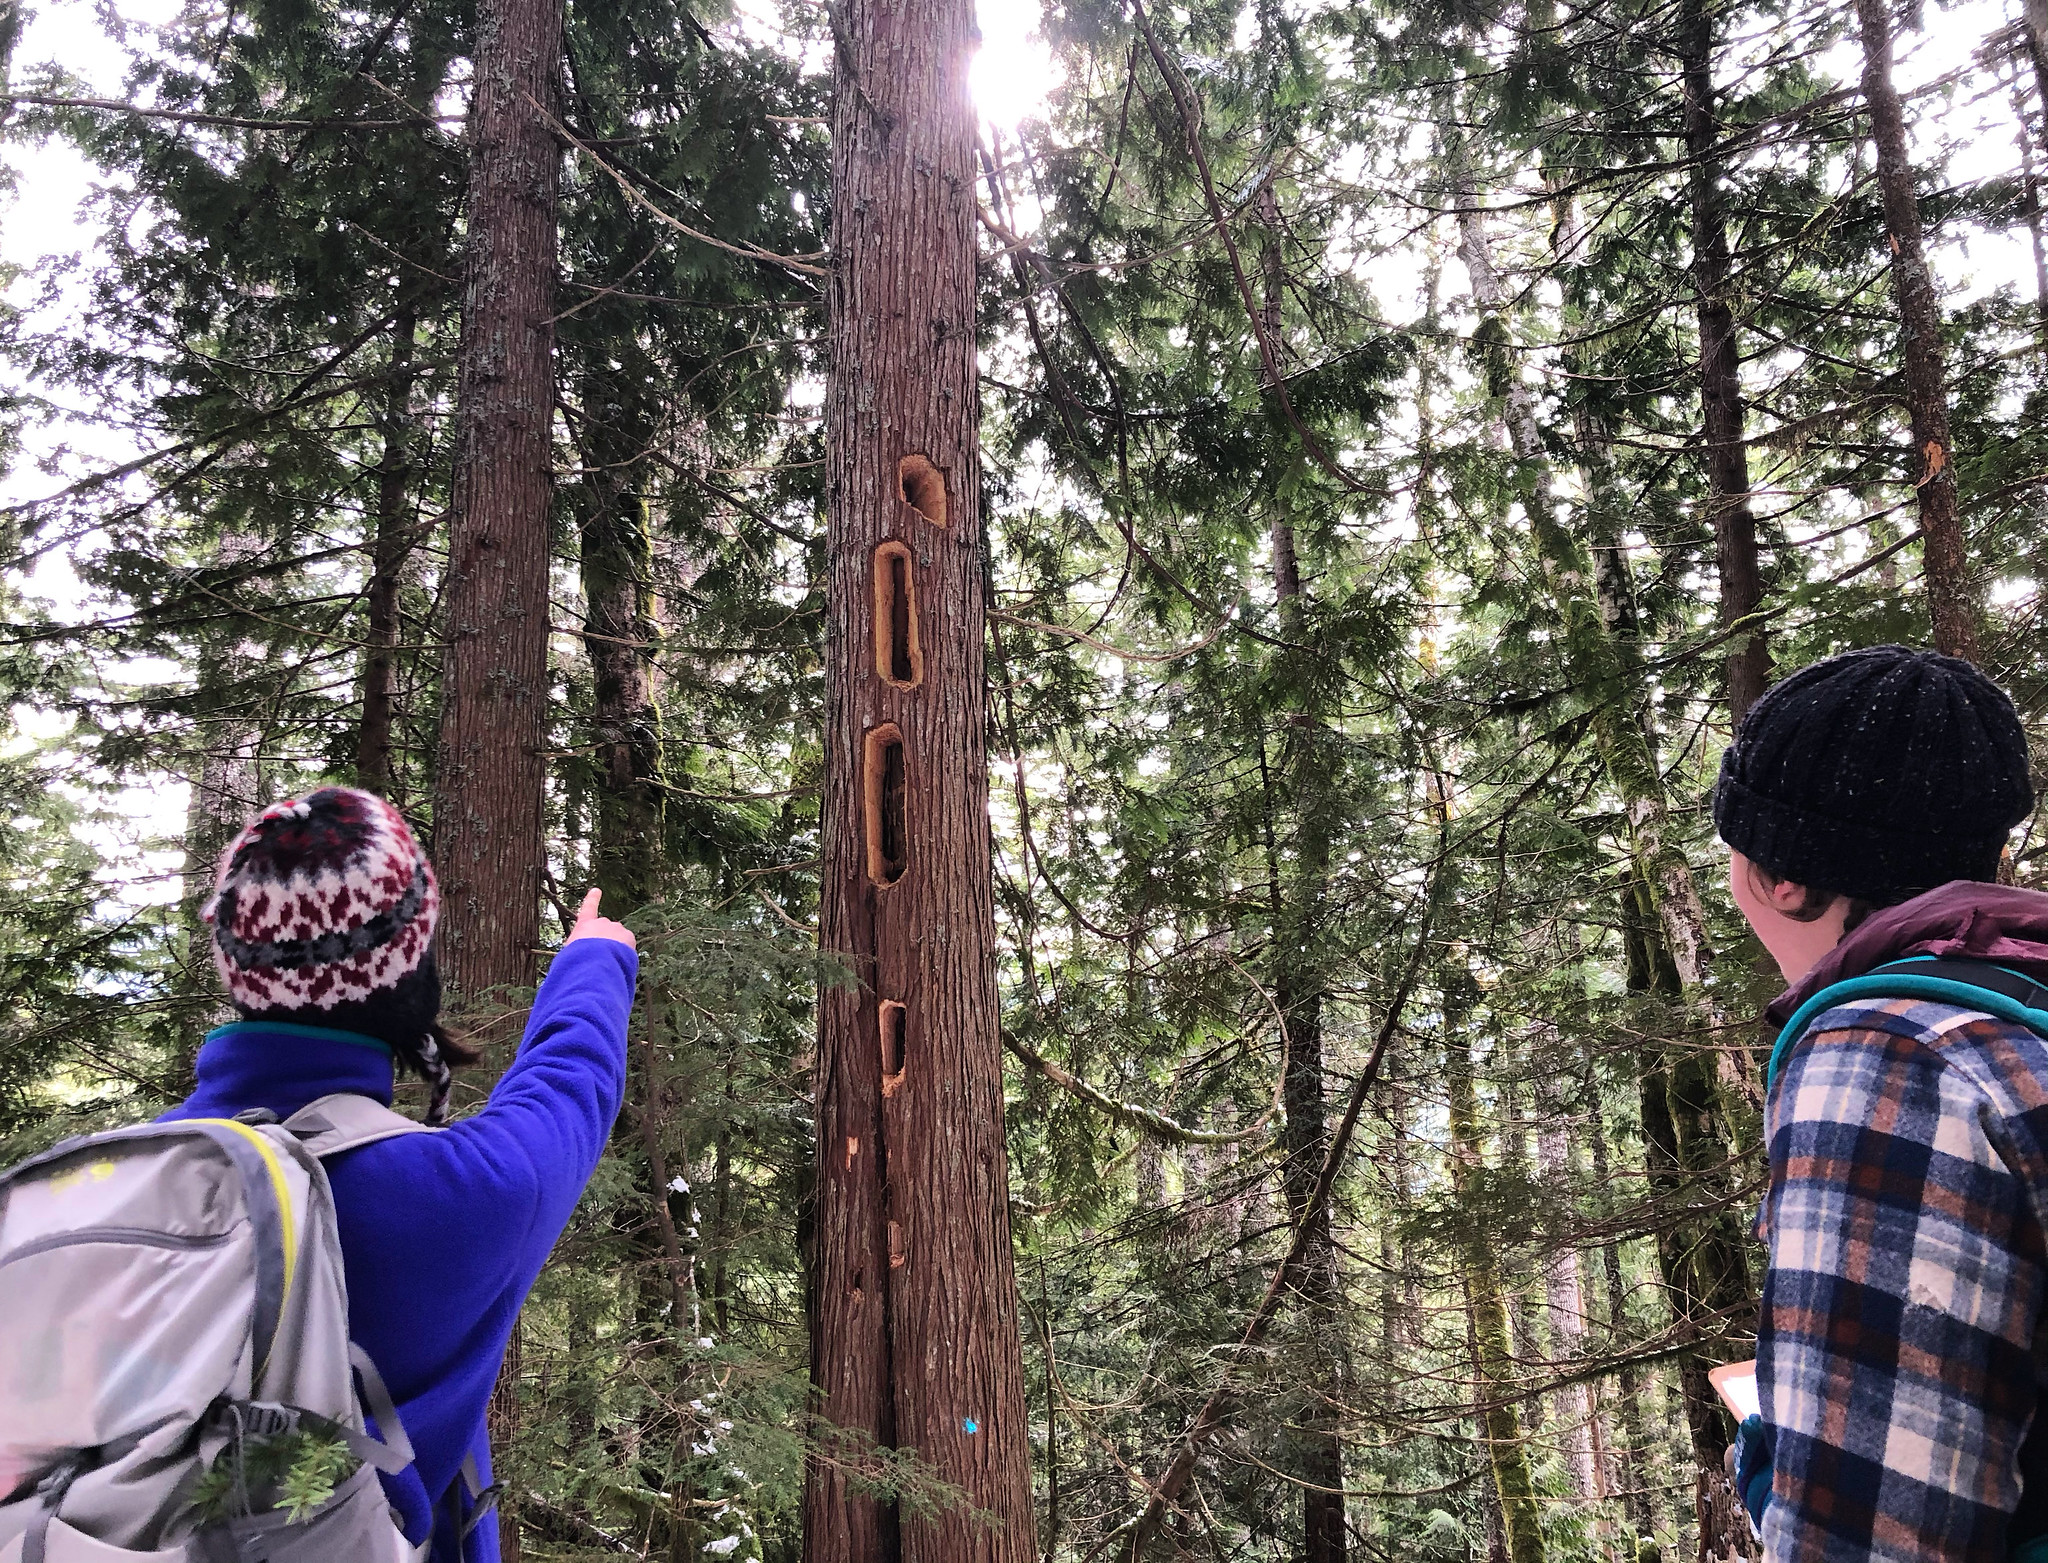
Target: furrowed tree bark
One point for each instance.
(491, 760)
(1952, 605)
(390, 551)
(1727, 457)
(913, 1301)
(489, 842)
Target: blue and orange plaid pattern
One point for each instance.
(1899, 1357)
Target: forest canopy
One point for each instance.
(1410, 435)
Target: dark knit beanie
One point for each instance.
(1876, 774)
(323, 914)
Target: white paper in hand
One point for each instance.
(1735, 1383)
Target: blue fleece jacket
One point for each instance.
(443, 1234)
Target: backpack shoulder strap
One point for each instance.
(1976, 985)
(346, 1122)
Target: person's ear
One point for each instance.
(1787, 897)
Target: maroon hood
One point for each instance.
(1965, 917)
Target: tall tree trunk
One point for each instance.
(913, 1302)
(1299, 986)
(1628, 1478)
(1565, 1303)
(390, 552)
(619, 635)
(1735, 555)
(1507, 1452)
(224, 794)
(489, 835)
(2034, 18)
(1299, 992)
(1632, 769)
(490, 841)
(1397, 1277)
(1704, 1267)
(1944, 552)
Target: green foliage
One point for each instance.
(295, 1472)
(1217, 796)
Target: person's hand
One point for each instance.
(589, 925)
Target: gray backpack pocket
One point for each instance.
(354, 1526)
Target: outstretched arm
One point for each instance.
(517, 1168)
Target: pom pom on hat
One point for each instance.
(322, 901)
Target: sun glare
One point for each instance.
(1013, 74)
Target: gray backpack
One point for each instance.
(173, 1331)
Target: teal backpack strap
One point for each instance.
(1965, 984)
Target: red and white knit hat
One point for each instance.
(321, 901)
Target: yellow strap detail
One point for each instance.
(284, 1205)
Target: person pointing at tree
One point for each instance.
(441, 1234)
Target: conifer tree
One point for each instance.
(913, 1301)
(1944, 548)
(491, 760)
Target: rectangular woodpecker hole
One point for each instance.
(924, 488)
(887, 849)
(897, 1257)
(899, 659)
(894, 1022)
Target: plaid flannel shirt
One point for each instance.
(1899, 1356)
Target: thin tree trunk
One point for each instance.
(223, 796)
(721, 1220)
(1704, 1265)
(1397, 1280)
(1299, 987)
(1735, 555)
(1628, 1477)
(1524, 1318)
(1507, 1451)
(1565, 1302)
(2036, 234)
(1944, 551)
(914, 1305)
(489, 839)
(617, 562)
(390, 552)
(2034, 18)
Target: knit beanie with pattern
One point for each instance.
(323, 915)
(1876, 774)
